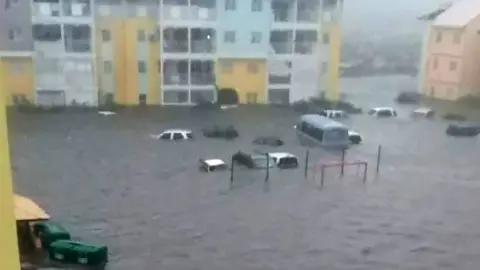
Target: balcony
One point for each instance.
(77, 8)
(203, 10)
(48, 38)
(175, 72)
(281, 42)
(46, 8)
(77, 38)
(175, 40)
(203, 40)
(307, 11)
(305, 42)
(175, 10)
(202, 72)
(283, 11)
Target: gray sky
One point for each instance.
(385, 16)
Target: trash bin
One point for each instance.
(48, 232)
(73, 252)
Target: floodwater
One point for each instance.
(108, 182)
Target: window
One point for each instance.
(457, 38)
(141, 35)
(229, 37)
(230, 4)
(435, 63)
(326, 38)
(107, 67)
(141, 11)
(177, 136)
(256, 37)
(142, 99)
(106, 35)
(257, 5)
(252, 67)
(142, 67)
(226, 66)
(453, 65)
(104, 10)
(14, 33)
(166, 136)
(47, 32)
(439, 37)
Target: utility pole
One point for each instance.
(9, 257)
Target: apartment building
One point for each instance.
(452, 61)
(172, 52)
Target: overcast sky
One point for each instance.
(385, 15)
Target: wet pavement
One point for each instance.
(108, 182)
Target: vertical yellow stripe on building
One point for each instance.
(131, 60)
(9, 257)
(153, 66)
(334, 62)
(18, 78)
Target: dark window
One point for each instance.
(47, 32)
(142, 99)
(165, 136)
(384, 113)
(177, 136)
(190, 135)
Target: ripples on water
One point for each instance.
(107, 181)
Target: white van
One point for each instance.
(285, 160)
(383, 112)
(333, 114)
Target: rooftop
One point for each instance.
(459, 15)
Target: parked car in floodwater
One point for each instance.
(269, 140)
(464, 130)
(334, 114)
(383, 112)
(174, 135)
(423, 112)
(354, 137)
(228, 132)
(322, 131)
(213, 164)
(285, 160)
(253, 161)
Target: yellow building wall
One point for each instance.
(240, 78)
(9, 257)
(18, 78)
(333, 88)
(125, 59)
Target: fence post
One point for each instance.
(231, 170)
(322, 176)
(342, 168)
(365, 173)
(268, 168)
(307, 154)
(379, 156)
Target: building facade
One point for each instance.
(451, 65)
(172, 52)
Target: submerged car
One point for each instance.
(466, 130)
(253, 161)
(423, 112)
(285, 160)
(269, 140)
(174, 135)
(214, 164)
(334, 114)
(354, 137)
(228, 132)
(408, 98)
(383, 112)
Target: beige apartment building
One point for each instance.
(451, 58)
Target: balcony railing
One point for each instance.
(203, 46)
(76, 10)
(175, 79)
(175, 12)
(79, 46)
(46, 9)
(305, 47)
(282, 47)
(279, 79)
(175, 46)
(307, 16)
(202, 78)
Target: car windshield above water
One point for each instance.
(261, 161)
(383, 112)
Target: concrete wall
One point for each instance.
(16, 15)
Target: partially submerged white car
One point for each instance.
(423, 112)
(284, 160)
(383, 112)
(174, 135)
(214, 164)
(354, 137)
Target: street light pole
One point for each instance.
(9, 257)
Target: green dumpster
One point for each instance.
(48, 232)
(73, 252)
